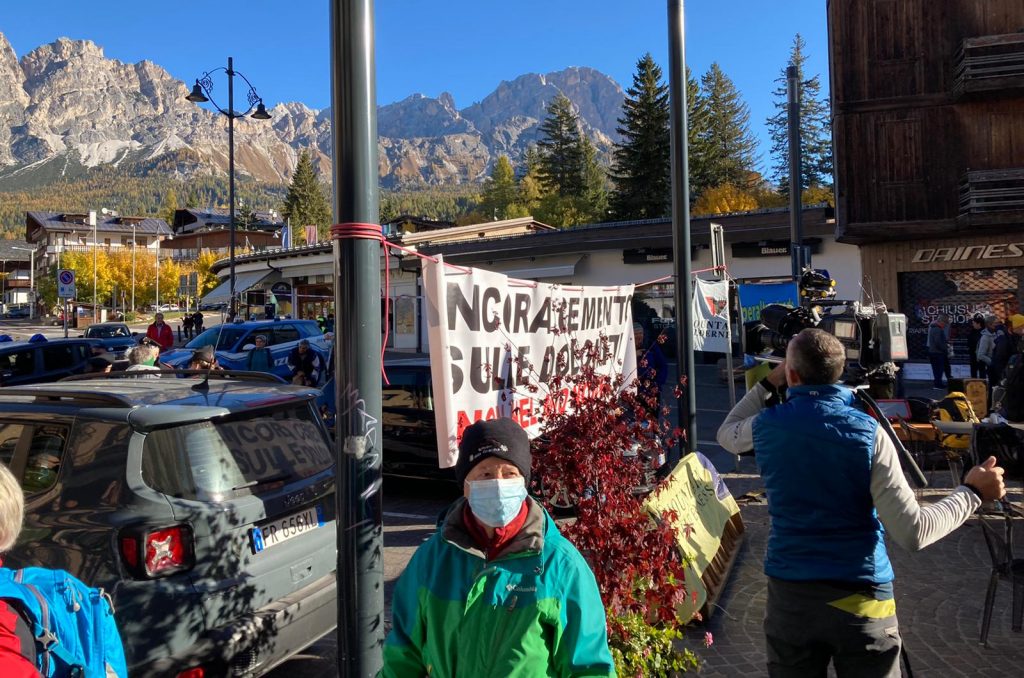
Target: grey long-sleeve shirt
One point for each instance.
(911, 525)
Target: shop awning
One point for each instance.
(541, 272)
(243, 281)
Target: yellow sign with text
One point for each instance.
(706, 512)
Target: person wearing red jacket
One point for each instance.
(161, 333)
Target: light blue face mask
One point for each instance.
(496, 502)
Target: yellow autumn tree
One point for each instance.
(724, 199)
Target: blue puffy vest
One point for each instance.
(815, 453)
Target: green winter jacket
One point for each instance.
(534, 611)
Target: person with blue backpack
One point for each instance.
(51, 624)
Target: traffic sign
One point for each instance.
(66, 284)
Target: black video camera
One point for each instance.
(871, 338)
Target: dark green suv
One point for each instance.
(206, 510)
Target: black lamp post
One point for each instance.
(205, 84)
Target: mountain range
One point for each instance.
(66, 108)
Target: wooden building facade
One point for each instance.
(928, 135)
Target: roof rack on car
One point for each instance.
(215, 374)
(78, 397)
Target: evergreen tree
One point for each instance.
(530, 191)
(501, 192)
(168, 206)
(731, 149)
(306, 204)
(697, 121)
(593, 201)
(815, 128)
(561, 150)
(640, 168)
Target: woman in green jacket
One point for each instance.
(497, 591)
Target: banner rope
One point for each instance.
(362, 231)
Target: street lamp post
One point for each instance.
(133, 268)
(31, 280)
(205, 84)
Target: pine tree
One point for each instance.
(168, 206)
(731, 149)
(593, 201)
(561, 150)
(815, 128)
(530, 191)
(501, 192)
(640, 169)
(697, 133)
(306, 204)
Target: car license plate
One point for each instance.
(280, 530)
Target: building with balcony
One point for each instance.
(15, 274)
(928, 113)
(208, 230)
(51, 234)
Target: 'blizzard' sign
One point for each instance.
(498, 346)
(711, 316)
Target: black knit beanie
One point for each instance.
(502, 438)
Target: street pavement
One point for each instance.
(939, 591)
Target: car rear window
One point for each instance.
(225, 338)
(216, 461)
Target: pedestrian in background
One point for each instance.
(1002, 349)
(938, 349)
(496, 590)
(197, 322)
(187, 324)
(651, 369)
(161, 333)
(259, 358)
(978, 368)
(305, 365)
(143, 358)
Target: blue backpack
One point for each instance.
(73, 624)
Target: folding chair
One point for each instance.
(998, 530)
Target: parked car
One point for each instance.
(116, 338)
(35, 362)
(229, 342)
(409, 429)
(16, 312)
(207, 516)
(407, 421)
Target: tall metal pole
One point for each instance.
(95, 256)
(32, 285)
(232, 307)
(795, 208)
(133, 268)
(158, 269)
(681, 221)
(357, 351)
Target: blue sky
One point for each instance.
(430, 46)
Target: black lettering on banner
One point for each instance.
(605, 311)
(547, 367)
(457, 376)
(490, 316)
(522, 322)
(246, 434)
(543, 318)
(615, 340)
(590, 306)
(457, 302)
(574, 314)
(482, 377)
(264, 431)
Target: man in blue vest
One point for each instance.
(835, 487)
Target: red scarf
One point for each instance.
(492, 546)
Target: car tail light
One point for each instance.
(196, 672)
(153, 553)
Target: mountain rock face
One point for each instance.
(66, 101)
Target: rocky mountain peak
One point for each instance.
(66, 101)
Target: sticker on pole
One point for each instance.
(66, 284)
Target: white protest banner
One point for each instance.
(497, 345)
(711, 316)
